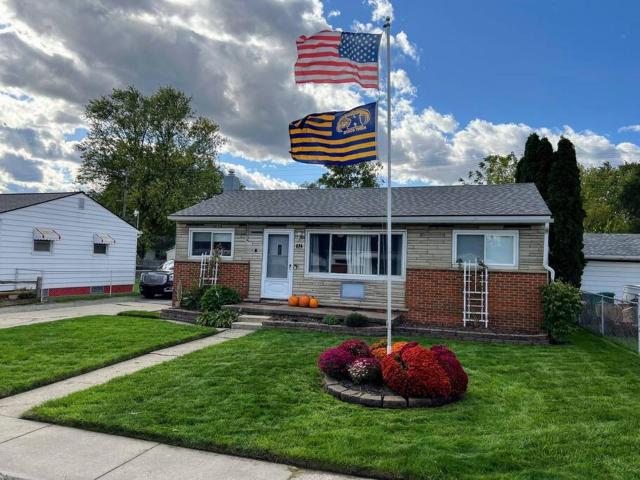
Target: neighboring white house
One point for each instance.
(613, 262)
(75, 244)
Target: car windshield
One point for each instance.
(167, 266)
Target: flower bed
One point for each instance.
(412, 375)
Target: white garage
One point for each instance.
(613, 261)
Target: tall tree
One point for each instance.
(544, 159)
(150, 153)
(527, 169)
(565, 203)
(360, 175)
(608, 197)
(494, 169)
(629, 199)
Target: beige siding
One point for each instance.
(428, 246)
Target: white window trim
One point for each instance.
(493, 266)
(211, 230)
(37, 252)
(346, 276)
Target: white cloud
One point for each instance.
(630, 128)
(254, 179)
(408, 48)
(333, 13)
(381, 9)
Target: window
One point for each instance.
(99, 249)
(43, 246)
(494, 248)
(204, 241)
(356, 254)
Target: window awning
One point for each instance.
(42, 233)
(103, 239)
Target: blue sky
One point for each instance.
(474, 78)
(546, 64)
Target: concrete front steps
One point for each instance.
(249, 322)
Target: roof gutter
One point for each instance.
(614, 258)
(433, 219)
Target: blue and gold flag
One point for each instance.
(335, 138)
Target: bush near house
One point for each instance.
(191, 298)
(355, 320)
(218, 318)
(218, 295)
(562, 304)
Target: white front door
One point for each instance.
(277, 264)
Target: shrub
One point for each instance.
(452, 366)
(365, 370)
(191, 298)
(330, 319)
(218, 295)
(335, 361)
(562, 304)
(218, 319)
(355, 347)
(415, 372)
(355, 320)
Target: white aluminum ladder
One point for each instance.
(475, 294)
(208, 270)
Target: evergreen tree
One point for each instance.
(565, 203)
(544, 160)
(527, 166)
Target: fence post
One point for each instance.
(602, 316)
(39, 289)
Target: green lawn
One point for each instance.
(34, 355)
(552, 412)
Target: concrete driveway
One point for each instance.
(30, 314)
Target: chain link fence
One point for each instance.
(612, 318)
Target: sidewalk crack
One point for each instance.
(124, 463)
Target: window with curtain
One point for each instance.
(358, 254)
(492, 248)
(204, 242)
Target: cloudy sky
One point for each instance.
(468, 81)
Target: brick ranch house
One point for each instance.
(332, 244)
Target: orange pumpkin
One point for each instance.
(303, 301)
(293, 300)
(313, 302)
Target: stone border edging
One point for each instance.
(346, 394)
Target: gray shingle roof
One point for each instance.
(459, 200)
(15, 201)
(611, 245)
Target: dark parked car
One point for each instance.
(159, 282)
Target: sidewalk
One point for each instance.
(27, 315)
(32, 450)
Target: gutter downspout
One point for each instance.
(545, 258)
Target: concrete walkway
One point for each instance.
(32, 450)
(16, 405)
(14, 316)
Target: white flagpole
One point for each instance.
(387, 27)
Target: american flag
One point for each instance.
(338, 57)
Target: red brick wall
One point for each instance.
(434, 297)
(231, 274)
